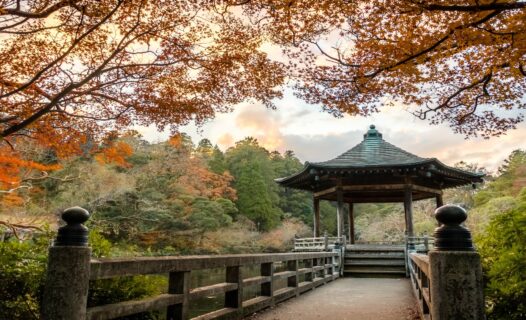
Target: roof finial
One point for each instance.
(372, 133)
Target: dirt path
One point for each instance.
(349, 298)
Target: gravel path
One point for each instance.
(349, 298)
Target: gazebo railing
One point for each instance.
(324, 243)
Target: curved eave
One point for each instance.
(299, 179)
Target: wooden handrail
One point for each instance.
(318, 268)
(419, 273)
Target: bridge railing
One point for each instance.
(70, 270)
(419, 274)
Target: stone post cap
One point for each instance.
(75, 215)
(451, 236)
(74, 233)
(451, 214)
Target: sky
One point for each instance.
(314, 135)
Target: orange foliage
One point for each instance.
(202, 182)
(70, 71)
(115, 153)
(176, 140)
(13, 169)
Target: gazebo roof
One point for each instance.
(375, 162)
(372, 151)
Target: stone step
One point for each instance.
(368, 273)
(388, 255)
(374, 262)
(373, 248)
(379, 268)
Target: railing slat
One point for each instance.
(255, 280)
(126, 308)
(212, 290)
(216, 314)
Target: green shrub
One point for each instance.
(503, 251)
(22, 277)
(22, 271)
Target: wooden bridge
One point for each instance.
(446, 282)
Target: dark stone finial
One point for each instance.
(451, 236)
(74, 233)
(372, 133)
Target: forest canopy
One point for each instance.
(73, 70)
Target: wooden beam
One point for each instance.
(366, 187)
(324, 192)
(426, 189)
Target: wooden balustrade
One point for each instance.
(324, 243)
(318, 269)
(419, 273)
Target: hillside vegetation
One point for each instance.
(176, 197)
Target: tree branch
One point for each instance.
(37, 15)
(501, 6)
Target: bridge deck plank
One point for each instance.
(350, 298)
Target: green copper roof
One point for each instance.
(372, 151)
(375, 161)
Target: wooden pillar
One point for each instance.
(316, 206)
(408, 208)
(440, 203)
(339, 212)
(439, 200)
(351, 223)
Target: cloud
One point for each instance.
(317, 136)
(262, 124)
(225, 141)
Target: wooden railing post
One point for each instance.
(68, 271)
(293, 281)
(454, 269)
(234, 298)
(267, 288)
(179, 283)
(309, 276)
(325, 241)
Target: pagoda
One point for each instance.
(375, 171)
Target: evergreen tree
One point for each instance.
(216, 162)
(254, 200)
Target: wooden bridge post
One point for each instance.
(68, 271)
(179, 283)
(293, 281)
(454, 269)
(267, 288)
(234, 298)
(309, 276)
